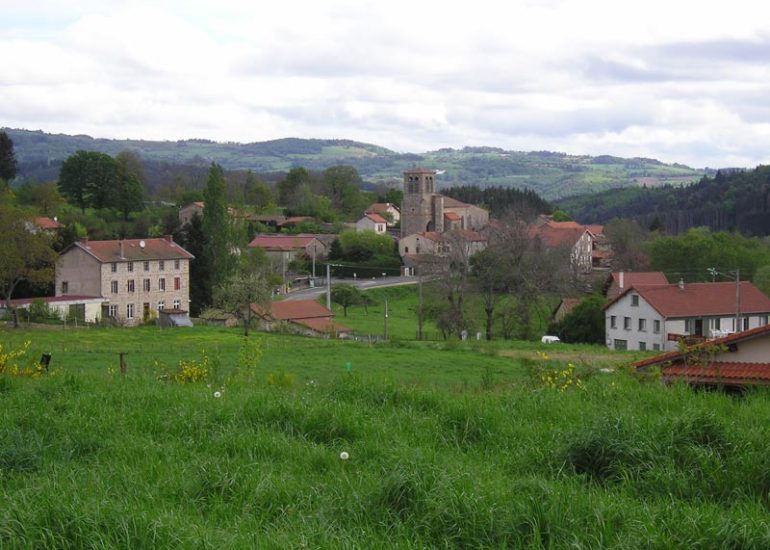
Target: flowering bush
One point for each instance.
(9, 362)
(188, 370)
(563, 379)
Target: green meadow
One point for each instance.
(449, 445)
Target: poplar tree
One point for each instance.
(217, 229)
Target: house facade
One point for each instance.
(590, 250)
(656, 317)
(132, 276)
(279, 247)
(389, 211)
(372, 222)
(442, 244)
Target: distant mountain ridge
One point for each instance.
(550, 174)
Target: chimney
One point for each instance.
(169, 238)
(622, 279)
(84, 240)
(681, 283)
(122, 256)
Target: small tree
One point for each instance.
(345, 295)
(248, 285)
(584, 324)
(24, 256)
(7, 158)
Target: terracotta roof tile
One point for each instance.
(281, 242)
(291, 310)
(376, 218)
(696, 299)
(380, 207)
(721, 371)
(452, 216)
(631, 278)
(46, 223)
(134, 250)
(724, 341)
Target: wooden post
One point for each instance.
(123, 366)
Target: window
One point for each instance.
(146, 266)
(129, 311)
(688, 326)
(656, 347)
(745, 323)
(620, 344)
(717, 323)
(162, 284)
(114, 287)
(65, 287)
(130, 285)
(635, 300)
(113, 311)
(130, 267)
(613, 321)
(161, 265)
(177, 304)
(627, 323)
(642, 346)
(642, 325)
(177, 263)
(763, 320)
(161, 305)
(177, 283)
(114, 267)
(656, 326)
(146, 285)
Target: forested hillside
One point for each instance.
(731, 200)
(551, 175)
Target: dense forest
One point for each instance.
(500, 200)
(731, 200)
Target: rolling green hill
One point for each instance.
(551, 175)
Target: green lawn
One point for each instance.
(450, 446)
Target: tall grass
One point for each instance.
(95, 459)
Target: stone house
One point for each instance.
(656, 317)
(306, 317)
(590, 250)
(132, 276)
(278, 247)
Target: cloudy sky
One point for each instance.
(678, 80)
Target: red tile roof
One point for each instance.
(449, 202)
(452, 216)
(380, 207)
(553, 233)
(46, 223)
(134, 250)
(290, 310)
(285, 243)
(734, 338)
(376, 218)
(323, 325)
(722, 372)
(697, 299)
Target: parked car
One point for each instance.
(550, 339)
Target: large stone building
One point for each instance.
(133, 276)
(424, 210)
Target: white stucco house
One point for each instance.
(656, 317)
(372, 222)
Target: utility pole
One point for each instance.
(419, 306)
(283, 257)
(386, 316)
(737, 299)
(313, 264)
(328, 287)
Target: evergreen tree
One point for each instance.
(217, 229)
(194, 240)
(7, 158)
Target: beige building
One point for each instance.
(372, 222)
(133, 276)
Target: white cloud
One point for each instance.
(681, 81)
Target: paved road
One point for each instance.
(363, 284)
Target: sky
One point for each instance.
(676, 80)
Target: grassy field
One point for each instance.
(450, 445)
